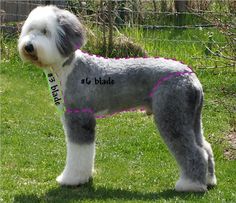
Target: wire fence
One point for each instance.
(192, 30)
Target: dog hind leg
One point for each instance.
(174, 116)
(211, 178)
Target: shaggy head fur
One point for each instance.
(49, 35)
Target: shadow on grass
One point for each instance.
(89, 192)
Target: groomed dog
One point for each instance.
(91, 86)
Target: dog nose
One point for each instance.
(29, 48)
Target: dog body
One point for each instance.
(95, 86)
(133, 80)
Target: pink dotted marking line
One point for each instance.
(88, 110)
(159, 82)
(138, 57)
(85, 110)
(128, 110)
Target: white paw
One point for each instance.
(79, 164)
(211, 180)
(186, 185)
(73, 180)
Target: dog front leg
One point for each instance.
(80, 133)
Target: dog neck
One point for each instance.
(68, 60)
(59, 68)
(54, 77)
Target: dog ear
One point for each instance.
(71, 33)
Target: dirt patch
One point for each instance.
(230, 153)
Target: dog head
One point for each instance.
(49, 35)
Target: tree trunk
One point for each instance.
(104, 44)
(110, 21)
(163, 6)
(181, 5)
(155, 6)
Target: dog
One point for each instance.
(85, 86)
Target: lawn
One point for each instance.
(132, 162)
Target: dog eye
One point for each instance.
(45, 31)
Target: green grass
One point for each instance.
(132, 162)
(185, 44)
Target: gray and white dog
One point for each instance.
(92, 86)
